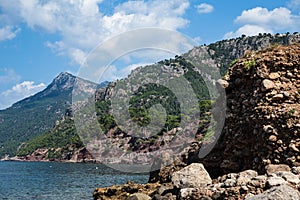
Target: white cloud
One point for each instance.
(261, 20)
(19, 92)
(82, 26)
(8, 33)
(247, 30)
(263, 17)
(204, 8)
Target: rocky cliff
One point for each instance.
(262, 122)
(257, 155)
(56, 98)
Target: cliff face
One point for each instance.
(18, 124)
(258, 151)
(262, 122)
(225, 51)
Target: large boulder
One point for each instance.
(191, 176)
(282, 192)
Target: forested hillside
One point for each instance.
(222, 55)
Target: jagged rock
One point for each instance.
(195, 193)
(186, 192)
(262, 114)
(222, 83)
(282, 192)
(267, 85)
(230, 183)
(274, 75)
(259, 181)
(296, 170)
(246, 176)
(192, 176)
(274, 181)
(271, 168)
(165, 188)
(122, 192)
(289, 177)
(277, 97)
(138, 196)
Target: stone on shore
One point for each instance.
(192, 176)
(282, 192)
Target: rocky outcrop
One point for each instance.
(282, 192)
(59, 155)
(258, 152)
(129, 191)
(245, 184)
(262, 123)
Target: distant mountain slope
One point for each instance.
(36, 114)
(60, 143)
(226, 51)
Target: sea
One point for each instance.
(53, 180)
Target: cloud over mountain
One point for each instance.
(261, 20)
(81, 24)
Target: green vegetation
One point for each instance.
(292, 112)
(28, 119)
(62, 136)
(226, 51)
(250, 64)
(105, 119)
(31, 117)
(233, 62)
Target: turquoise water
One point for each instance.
(41, 180)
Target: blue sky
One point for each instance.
(41, 38)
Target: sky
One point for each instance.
(41, 38)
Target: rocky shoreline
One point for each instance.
(258, 153)
(194, 182)
(81, 155)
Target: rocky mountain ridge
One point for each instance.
(219, 55)
(257, 156)
(36, 114)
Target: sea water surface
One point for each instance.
(49, 180)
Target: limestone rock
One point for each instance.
(122, 192)
(289, 177)
(282, 192)
(246, 176)
(296, 170)
(274, 75)
(271, 168)
(267, 85)
(277, 97)
(138, 196)
(275, 181)
(192, 176)
(222, 83)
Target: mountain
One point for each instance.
(36, 114)
(257, 155)
(20, 122)
(225, 52)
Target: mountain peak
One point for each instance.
(64, 81)
(64, 74)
